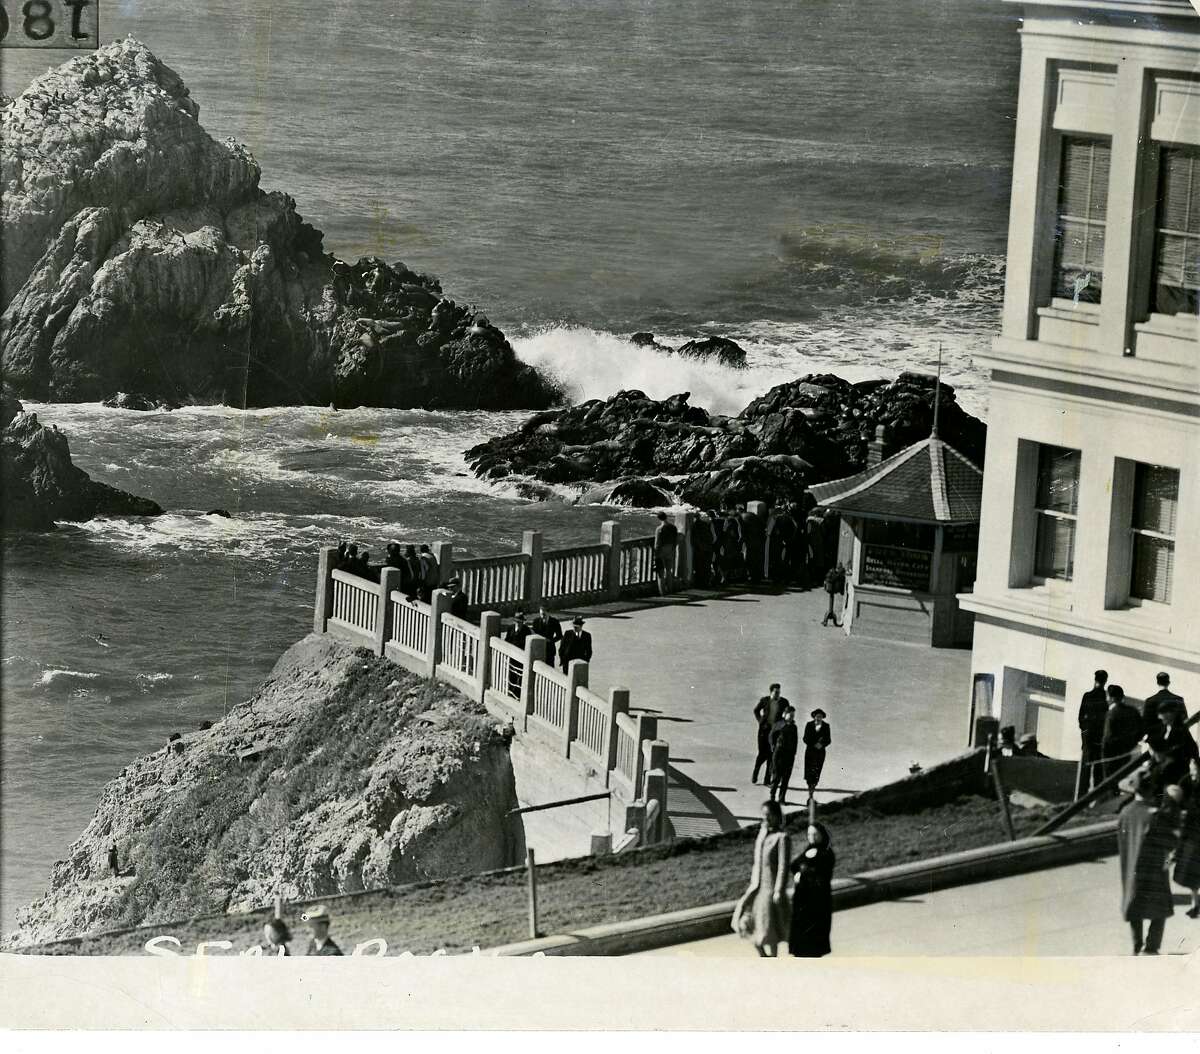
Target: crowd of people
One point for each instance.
(788, 898)
(778, 743)
(420, 572)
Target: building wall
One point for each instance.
(1112, 380)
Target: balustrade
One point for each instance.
(355, 602)
(549, 696)
(637, 561)
(410, 625)
(574, 572)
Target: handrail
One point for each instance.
(628, 841)
(575, 550)
(490, 561)
(507, 648)
(465, 625)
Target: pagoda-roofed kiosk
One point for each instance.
(913, 526)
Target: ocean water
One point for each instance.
(824, 182)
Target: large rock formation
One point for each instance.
(341, 773)
(41, 485)
(719, 349)
(142, 255)
(803, 432)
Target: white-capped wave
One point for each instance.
(54, 677)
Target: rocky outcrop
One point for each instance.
(138, 401)
(41, 485)
(142, 256)
(803, 432)
(341, 773)
(717, 349)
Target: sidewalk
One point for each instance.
(701, 661)
(1073, 910)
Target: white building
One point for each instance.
(1089, 553)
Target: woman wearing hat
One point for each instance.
(816, 738)
(812, 897)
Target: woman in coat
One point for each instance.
(762, 913)
(1144, 839)
(1187, 851)
(812, 897)
(816, 738)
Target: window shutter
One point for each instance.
(1179, 209)
(1157, 493)
(1153, 568)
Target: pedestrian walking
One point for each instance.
(1163, 698)
(1144, 840)
(517, 634)
(576, 644)
(817, 738)
(276, 937)
(1093, 708)
(835, 585)
(812, 896)
(761, 915)
(766, 713)
(785, 737)
(1187, 847)
(320, 943)
(547, 626)
(1122, 730)
(666, 542)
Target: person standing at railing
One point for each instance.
(1154, 705)
(666, 542)
(781, 543)
(576, 644)
(1122, 730)
(430, 573)
(1172, 745)
(517, 634)
(1144, 840)
(702, 551)
(546, 625)
(1093, 708)
(753, 544)
(410, 573)
(733, 567)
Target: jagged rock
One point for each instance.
(138, 401)
(341, 773)
(723, 350)
(41, 485)
(633, 493)
(141, 255)
(806, 431)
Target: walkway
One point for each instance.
(1072, 910)
(701, 661)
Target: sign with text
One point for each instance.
(72, 24)
(884, 565)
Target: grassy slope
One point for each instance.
(490, 909)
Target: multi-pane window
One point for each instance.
(1056, 506)
(1155, 496)
(1082, 210)
(1177, 232)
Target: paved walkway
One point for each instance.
(1072, 910)
(701, 662)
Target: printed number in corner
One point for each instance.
(70, 24)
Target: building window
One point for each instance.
(1082, 209)
(1155, 496)
(1177, 233)
(1056, 506)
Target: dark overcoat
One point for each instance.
(1144, 839)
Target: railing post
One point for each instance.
(531, 546)
(489, 627)
(684, 522)
(535, 651)
(610, 535)
(443, 553)
(647, 728)
(577, 677)
(618, 703)
(389, 579)
(635, 817)
(324, 605)
(438, 603)
(602, 844)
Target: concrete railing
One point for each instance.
(637, 562)
(557, 708)
(494, 581)
(577, 572)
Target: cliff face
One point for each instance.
(142, 255)
(41, 485)
(341, 773)
(803, 432)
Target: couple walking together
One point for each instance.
(769, 911)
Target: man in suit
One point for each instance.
(768, 711)
(458, 599)
(517, 634)
(666, 544)
(576, 644)
(546, 625)
(1172, 745)
(1093, 709)
(1163, 697)
(1122, 730)
(785, 738)
(431, 573)
(320, 943)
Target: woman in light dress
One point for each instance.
(762, 914)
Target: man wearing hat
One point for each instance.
(458, 599)
(550, 629)
(576, 644)
(816, 738)
(517, 634)
(320, 943)
(783, 753)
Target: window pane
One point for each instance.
(1178, 190)
(1099, 197)
(1177, 251)
(1156, 492)
(1153, 566)
(1055, 554)
(1082, 206)
(1058, 479)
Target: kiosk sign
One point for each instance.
(72, 24)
